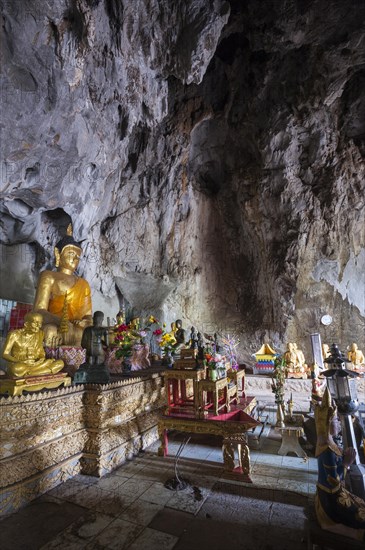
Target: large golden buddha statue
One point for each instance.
(25, 353)
(63, 298)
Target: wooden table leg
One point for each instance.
(163, 435)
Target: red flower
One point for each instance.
(122, 328)
(158, 331)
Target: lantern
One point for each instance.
(342, 386)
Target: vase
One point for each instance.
(213, 375)
(127, 364)
(168, 360)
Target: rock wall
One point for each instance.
(209, 154)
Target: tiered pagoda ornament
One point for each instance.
(265, 359)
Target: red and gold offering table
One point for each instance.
(231, 426)
(209, 396)
(176, 386)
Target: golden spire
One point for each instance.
(64, 318)
(323, 415)
(69, 230)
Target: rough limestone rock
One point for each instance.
(209, 154)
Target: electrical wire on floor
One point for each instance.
(178, 483)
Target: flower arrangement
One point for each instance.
(215, 364)
(166, 340)
(128, 335)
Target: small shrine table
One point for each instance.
(213, 387)
(238, 377)
(290, 441)
(175, 382)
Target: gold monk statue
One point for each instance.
(356, 356)
(63, 298)
(24, 350)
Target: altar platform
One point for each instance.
(52, 435)
(260, 386)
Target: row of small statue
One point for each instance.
(296, 363)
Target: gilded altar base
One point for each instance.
(16, 386)
(52, 436)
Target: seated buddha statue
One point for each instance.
(63, 296)
(294, 359)
(25, 353)
(356, 356)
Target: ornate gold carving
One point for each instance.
(13, 386)
(96, 426)
(244, 459)
(17, 468)
(22, 493)
(228, 455)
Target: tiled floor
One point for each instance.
(131, 508)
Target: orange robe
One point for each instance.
(78, 302)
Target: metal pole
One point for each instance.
(356, 475)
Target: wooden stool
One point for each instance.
(209, 396)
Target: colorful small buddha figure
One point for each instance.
(63, 298)
(25, 353)
(337, 510)
(356, 356)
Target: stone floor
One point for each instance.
(131, 508)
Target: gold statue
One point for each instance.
(63, 296)
(300, 356)
(325, 351)
(24, 350)
(294, 359)
(172, 333)
(356, 356)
